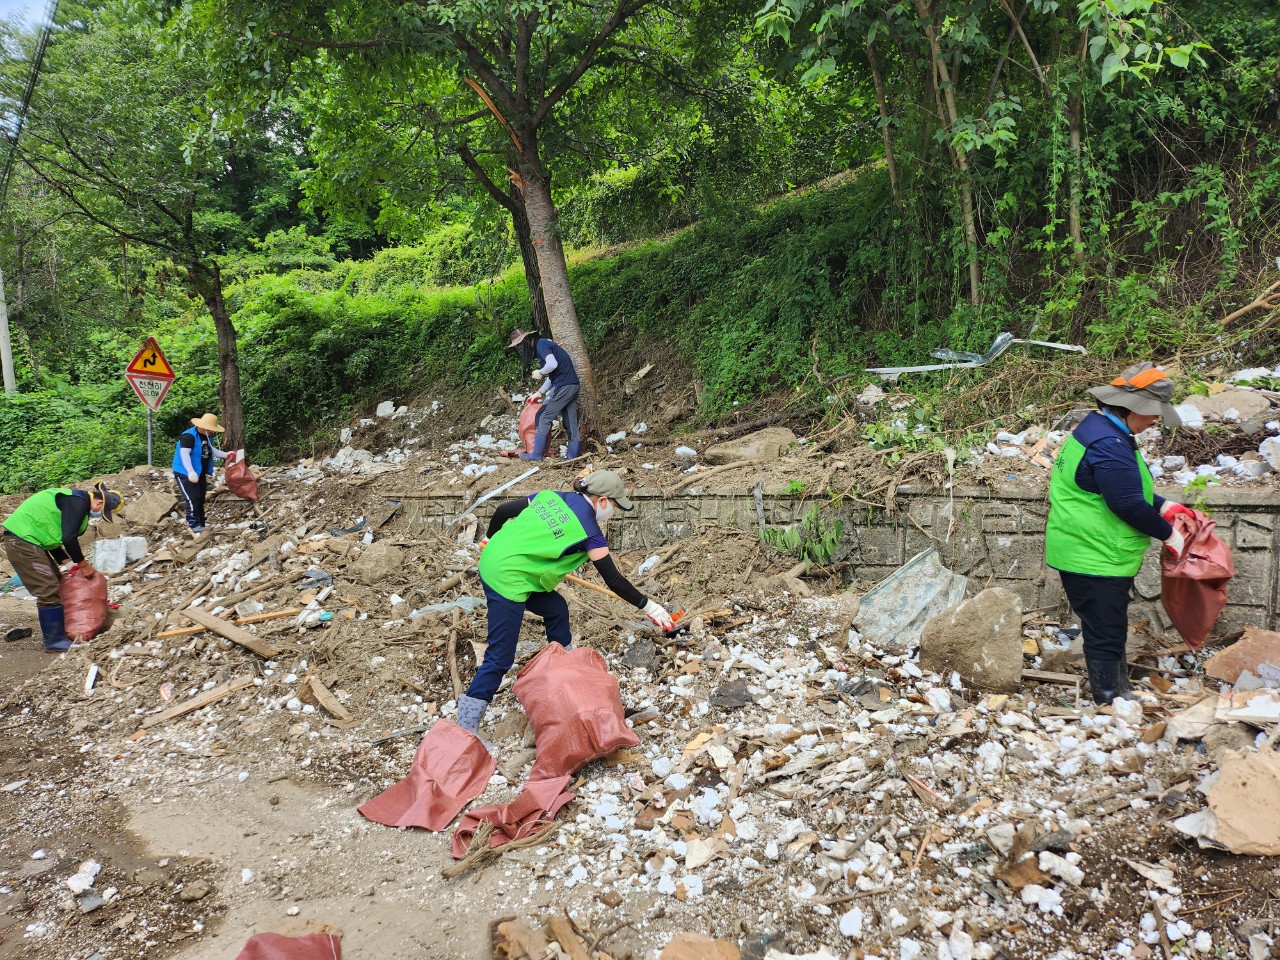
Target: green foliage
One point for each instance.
(812, 540)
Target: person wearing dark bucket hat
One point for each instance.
(532, 543)
(551, 364)
(43, 533)
(1103, 514)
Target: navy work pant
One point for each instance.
(505, 618)
(193, 495)
(1102, 604)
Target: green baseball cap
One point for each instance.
(606, 483)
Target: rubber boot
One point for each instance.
(539, 447)
(470, 713)
(53, 625)
(573, 450)
(1108, 681)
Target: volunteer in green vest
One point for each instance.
(1103, 514)
(43, 533)
(532, 543)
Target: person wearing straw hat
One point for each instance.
(43, 533)
(1104, 513)
(552, 365)
(532, 543)
(193, 465)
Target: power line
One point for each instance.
(29, 90)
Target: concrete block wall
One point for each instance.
(996, 538)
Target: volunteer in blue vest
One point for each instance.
(532, 543)
(1104, 513)
(43, 533)
(194, 463)
(552, 365)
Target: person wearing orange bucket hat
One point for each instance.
(44, 532)
(1104, 513)
(194, 463)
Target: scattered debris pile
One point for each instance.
(799, 789)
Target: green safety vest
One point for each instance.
(38, 519)
(1083, 535)
(525, 556)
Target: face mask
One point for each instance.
(95, 514)
(605, 512)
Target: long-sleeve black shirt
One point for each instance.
(74, 510)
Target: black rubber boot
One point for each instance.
(1108, 681)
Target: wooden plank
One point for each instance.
(256, 618)
(198, 701)
(314, 691)
(242, 637)
(562, 930)
(1048, 676)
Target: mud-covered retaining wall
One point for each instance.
(996, 538)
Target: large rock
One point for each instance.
(766, 444)
(112, 556)
(378, 563)
(981, 639)
(149, 508)
(1246, 404)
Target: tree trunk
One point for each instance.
(958, 156)
(878, 79)
(532, 273)
(1075, 120)
(544, 231)
(207, 280)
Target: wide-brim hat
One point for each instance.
(1143, 388)
(112, 500)
(517, 337)
(208, 421)
(606, 483)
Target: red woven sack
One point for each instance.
(450, 769)
(529, 424)
(537, 806)
(275, 946)
(1193, 587)
(573, 703)
(84, 603)
(240, 479)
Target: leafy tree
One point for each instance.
(520, 74)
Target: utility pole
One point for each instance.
(6, 351)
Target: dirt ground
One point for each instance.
(241, 817)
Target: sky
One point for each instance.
(31, 10)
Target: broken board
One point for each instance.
(243, 638)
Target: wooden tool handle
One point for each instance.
(591, 586)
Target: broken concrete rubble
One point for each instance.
(766, 444)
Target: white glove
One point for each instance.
(1176, 543)
(193, 476)
(658, 614)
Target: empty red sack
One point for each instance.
(572, 701)
(239, 478)
(537, 806)
(1193, 587)
(84, 604)
(275, 946)
(450, 769)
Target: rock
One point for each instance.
(980, 638)
(195, 890)
(1245, 403)
(1269, 450)
(1001, 837)
(766, 444)
(640, 655)
(732, 695)
(92, 901)
(385, 409)
(149, 508)
(380, 562)
(1190, 416)
(1063, 659)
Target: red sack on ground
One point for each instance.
(573, 703)
(537, 806)
(450, 769)
(84, 603)
(240, 479)
(1193, 587)
(275, 946)
(529, 424)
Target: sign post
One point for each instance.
(151, 377)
